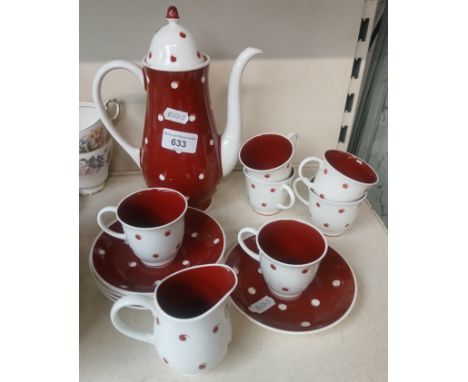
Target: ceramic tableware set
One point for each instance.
(95, 147)
(163, 253)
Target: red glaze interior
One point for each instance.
(335, 302)
(291, 242)
(111, 256)
(151, 208)
(266, 151)
(351, 166)
(193, 292)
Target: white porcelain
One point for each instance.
(188, 339)
(341, 176)
(93, 134)
(155, 245)
(332, 218)
(173, 47)
(286, 279)
(94, 169)
(268, 198)
(275, 172)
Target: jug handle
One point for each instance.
(137, 70)
(128, 302)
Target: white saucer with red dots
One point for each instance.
(324, 304)
(115, 267)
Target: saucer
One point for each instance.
(325, 303)
(115, 266)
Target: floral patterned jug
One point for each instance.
(180, 147)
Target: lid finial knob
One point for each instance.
(172, 13)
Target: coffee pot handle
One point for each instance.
(301, 167)
(247, 250)
(129, 302)
(104, 227)
(137, 70)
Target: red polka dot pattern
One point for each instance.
(305, 270)
(285, 289)
(215, 329)
(138, 237)
(167, 233)
(173, 58)
(322, 196)
(252, 185)
(183, 337)
(325, 171)
(157, 320)
(341, 210)
(345, 185)
(273, 266)
(165, 360)
(272, 189)
(267, 176)
(202, 366)
(317, 204)
(150, 54)
(182, 34)
(264, 204)
(326, 225)
(198, 54)
(155, 255)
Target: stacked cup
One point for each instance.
(267, 161)
(95, 147)
(337, 190)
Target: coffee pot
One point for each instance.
(180, 148)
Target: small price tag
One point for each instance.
(176, 115)
(179, 141)
(262, 305)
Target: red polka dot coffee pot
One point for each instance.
(180, 148)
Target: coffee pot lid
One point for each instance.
(173, 48)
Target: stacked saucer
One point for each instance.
(118, 272)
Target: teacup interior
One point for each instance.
(291, 242)
(151, 208)
(191, 293)
(266, 151)
(351, 166)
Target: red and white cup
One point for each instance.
(268, 156)
(290, 252)
(153, 224)
(268, 198)
(332, 218)
(341, 177)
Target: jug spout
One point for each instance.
(193, 293)
(231, 137)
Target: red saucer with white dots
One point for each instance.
(325, 303)
(115, 266)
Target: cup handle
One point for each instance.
(303, 163)
(249, 252)
(294, 138)
(116, 104)
(292, 198)
(137, 70)
(127, 301)
(297, 192)
(106, 229)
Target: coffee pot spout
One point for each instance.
(231, 137)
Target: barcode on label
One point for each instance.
(179, 141)
(262, 305)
